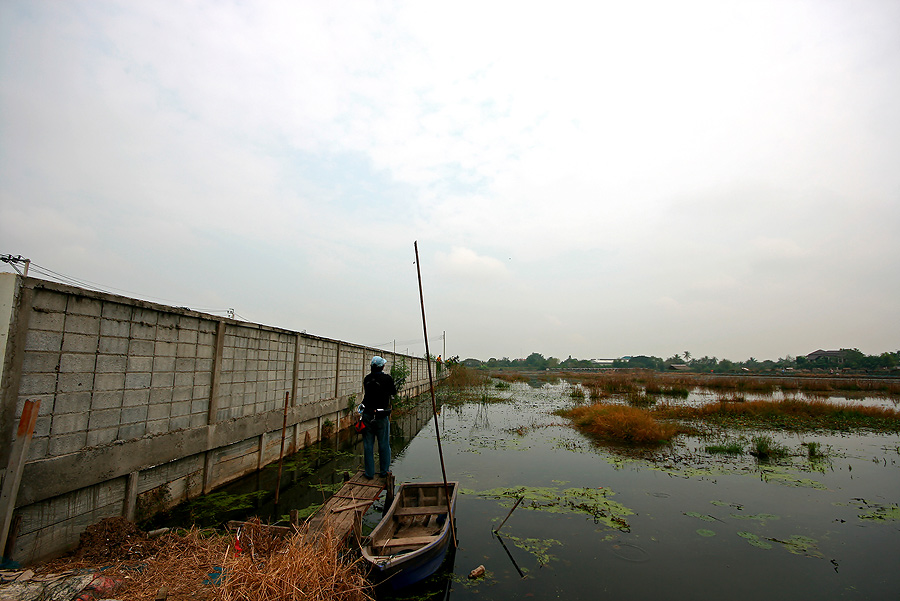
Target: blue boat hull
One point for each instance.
(412, 540)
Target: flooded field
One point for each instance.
(603, 522)
(600, 521)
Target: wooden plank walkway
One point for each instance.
(343, 512)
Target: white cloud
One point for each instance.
(464, 263)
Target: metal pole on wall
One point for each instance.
(437, 430)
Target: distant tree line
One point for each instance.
(850, 359)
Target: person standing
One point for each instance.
(378, 390)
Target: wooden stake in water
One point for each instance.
(509, 514)
(437, 431)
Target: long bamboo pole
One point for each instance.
(437, 431)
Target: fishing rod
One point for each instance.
(437, 430)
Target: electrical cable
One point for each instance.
(79, 283)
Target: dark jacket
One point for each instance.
(379, 388)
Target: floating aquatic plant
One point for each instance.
(754, 540)
(539, 547)
(590, 501)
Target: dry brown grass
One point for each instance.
(294, 571)
(621, 423)
(269, 569)
(462, 377)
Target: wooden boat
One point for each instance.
(412, 539)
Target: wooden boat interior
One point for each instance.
(418, 516)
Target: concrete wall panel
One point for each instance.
(131, 389)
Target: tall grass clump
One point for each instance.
(609, 384)
(764, 448)
(463, 377)
(636, 398)
(814, 450)
(620, 423)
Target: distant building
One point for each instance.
(826, 357)
(679, 367)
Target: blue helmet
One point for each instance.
(378, 361)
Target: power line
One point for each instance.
(402, 342)
(49, 274)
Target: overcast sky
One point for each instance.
(594, 179)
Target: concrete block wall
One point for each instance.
(141, 401)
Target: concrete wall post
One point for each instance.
(131, 490)
(337, 370)
(216, 374)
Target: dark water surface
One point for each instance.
(598, 522)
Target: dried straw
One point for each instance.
(269, 568)
(294, 570)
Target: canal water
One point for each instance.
(599, 522)
(603, 522)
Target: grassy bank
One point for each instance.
(788, 414)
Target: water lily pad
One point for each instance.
(754, 540)
(760, 517)
(800, 545)
(705, 533)
(700, 516)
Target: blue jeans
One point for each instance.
(377, 429)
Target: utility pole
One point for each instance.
(444, 336)
(13, 260)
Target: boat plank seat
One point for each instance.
(401, 511)
(411, 540)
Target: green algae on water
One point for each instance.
(594, 502)
(782, 476)
(538, 547)
(882, 513)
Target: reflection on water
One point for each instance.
(604, 522)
